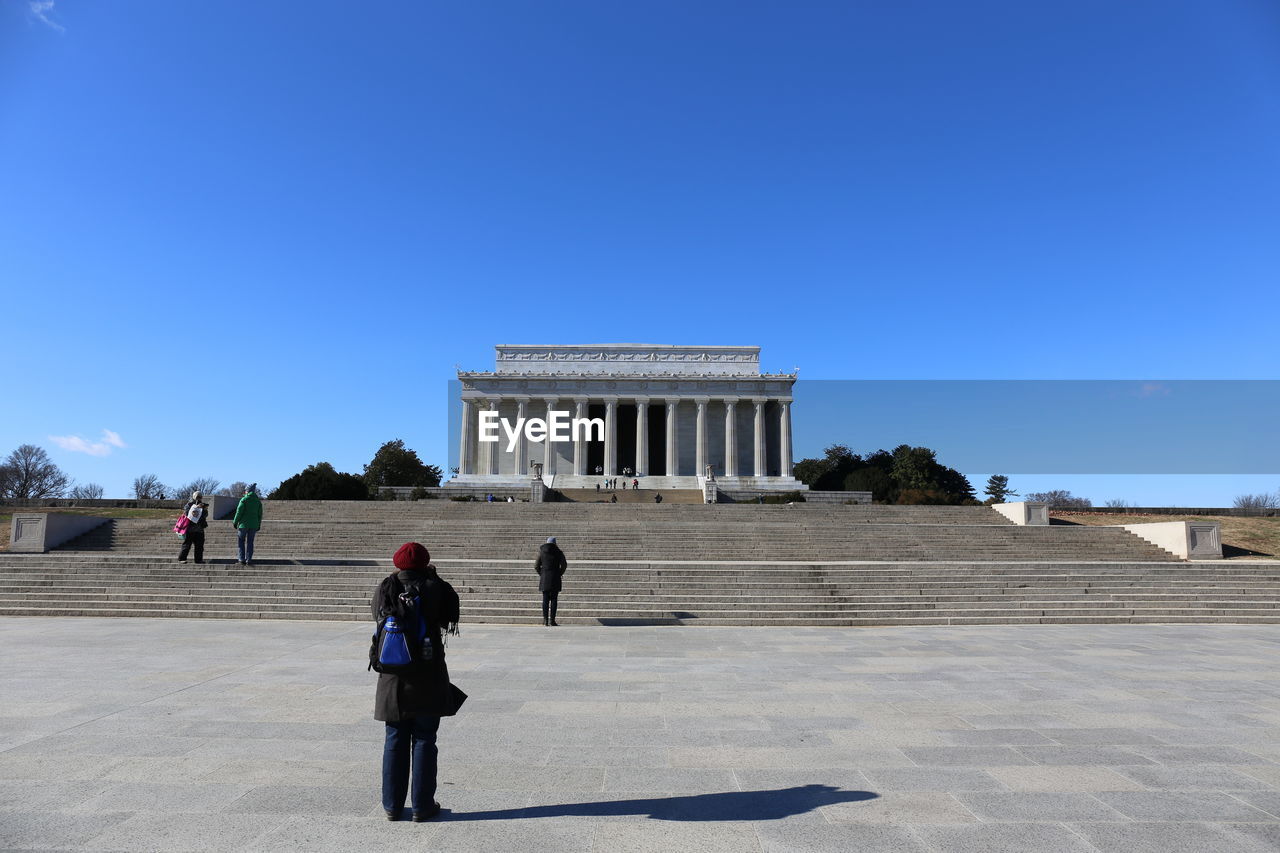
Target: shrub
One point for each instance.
(923, 497)
(783, 498)
(320, 482)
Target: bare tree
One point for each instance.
(29, 473)
(1118, 503)
(203, 485)
(1262, 501)
(235, 490)
(149, 487)
(86, 492)
(1060, 499)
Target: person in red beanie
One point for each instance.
(411, 704)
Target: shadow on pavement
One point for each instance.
(730, 805)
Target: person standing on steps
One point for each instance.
(197, 513)
(550, 567)
(411, 703)
(247, 522)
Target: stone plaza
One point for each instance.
(213, 735)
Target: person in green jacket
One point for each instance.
(247, 521)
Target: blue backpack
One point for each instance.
(400, 639)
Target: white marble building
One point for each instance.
(670, 414)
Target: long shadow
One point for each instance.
(677, 617)
(1234, 551)
(729, 805)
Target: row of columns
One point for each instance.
(488, 452)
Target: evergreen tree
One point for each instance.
(321, 482)
(998, 489)
(396, 465)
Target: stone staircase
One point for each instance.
(633, 496)
(648, 563)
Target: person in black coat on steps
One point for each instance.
(197, 513)
(550, 567)
(411, 704)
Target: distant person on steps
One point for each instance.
(197, 513)
(247, 522)
(550, 567)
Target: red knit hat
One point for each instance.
(411, 556)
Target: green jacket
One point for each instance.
(248, 513)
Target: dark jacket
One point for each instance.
(550, 566)
(426, 692)
(204, 516)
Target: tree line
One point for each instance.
(29, 474)
(904, 475)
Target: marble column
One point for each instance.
(731, 437)
(642, 435)
(673, 456)
(784, 434)
(610, 436)
(580, 440)
(700, 447)
(522, 443)
(466, 462)
(548, 446)
(759, 460)
(493, 449)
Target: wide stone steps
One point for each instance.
(645, 592)
(870, 542)
(706, 565)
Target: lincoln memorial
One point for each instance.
(671, 415)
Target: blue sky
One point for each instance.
(246, 237)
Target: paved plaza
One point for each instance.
(171, 735)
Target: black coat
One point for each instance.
(550, 566)
(204, 516)
(425, 692)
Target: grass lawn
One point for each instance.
(6, 515)
(1241, 537)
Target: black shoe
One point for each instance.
(198, 562)
(392, 814)
(423, 815)
(555, 624)
(545, 621)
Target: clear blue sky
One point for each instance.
(246, 237)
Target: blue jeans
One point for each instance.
(244, 544)
(416, 736)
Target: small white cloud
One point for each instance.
(76, 444)
(40, 10)
(1153, 389)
